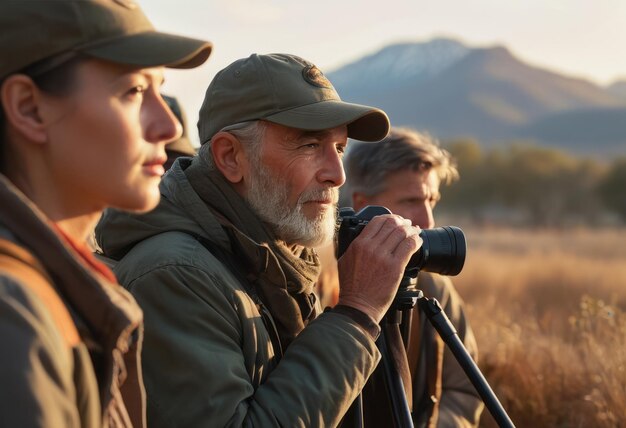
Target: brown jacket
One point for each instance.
(69, 339)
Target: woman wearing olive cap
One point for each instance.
(82, 128)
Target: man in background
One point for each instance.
(403, 173)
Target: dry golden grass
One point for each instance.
(549, 312)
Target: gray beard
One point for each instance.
(269, 198)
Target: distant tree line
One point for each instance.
(532, 185)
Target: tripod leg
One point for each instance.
(354, 416)
(390, 337)
(446, 330)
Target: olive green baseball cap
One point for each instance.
(286, 90)
(113, 30)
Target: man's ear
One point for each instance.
(228, 156)
(359, 201)
(21, 100)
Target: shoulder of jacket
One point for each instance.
(26, 271)
(167, 249)
(175, 251)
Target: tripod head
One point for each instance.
(407, 295)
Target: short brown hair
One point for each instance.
(368, 165)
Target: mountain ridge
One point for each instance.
(486, 93)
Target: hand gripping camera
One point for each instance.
(443, 249)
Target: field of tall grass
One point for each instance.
(548, 309)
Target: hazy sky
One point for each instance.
(582, 38)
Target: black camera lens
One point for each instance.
(443, 251)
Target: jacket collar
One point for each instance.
(103, 311)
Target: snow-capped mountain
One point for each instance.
(451, 90)
(400, 63)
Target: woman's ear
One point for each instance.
(21, 99)
(228, 156)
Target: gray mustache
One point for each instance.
(323, 194)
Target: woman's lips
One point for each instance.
(155, 167)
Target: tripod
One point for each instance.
(407, 297)
(405, 300)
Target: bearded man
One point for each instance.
(223, 267)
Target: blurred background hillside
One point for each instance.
(534, 148)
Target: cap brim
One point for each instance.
(152, 49)
(364, 123)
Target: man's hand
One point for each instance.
(371, 269)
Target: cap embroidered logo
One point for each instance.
(315, 77)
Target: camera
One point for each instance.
(443, 249)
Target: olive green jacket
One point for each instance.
(69, 339)
(209, 359)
